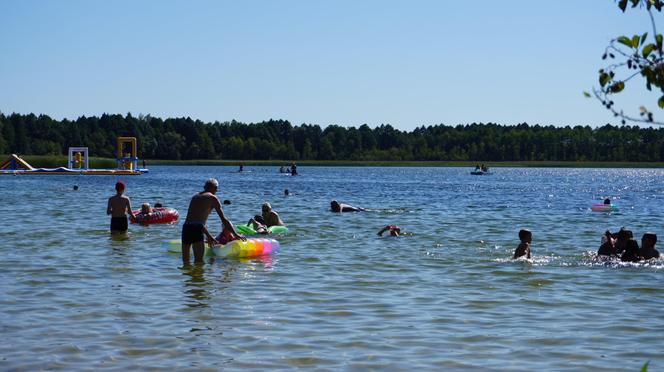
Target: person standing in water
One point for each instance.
(118, 207)
(193, 229)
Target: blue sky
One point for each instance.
(319, 62)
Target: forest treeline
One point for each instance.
(184, 139)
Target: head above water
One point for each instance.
(266, 207)
(211, 185)
(525, 235)
(120, 186)
(145, 208)
(335, 206)
(625, 234)
(649, 238)
(607, 201)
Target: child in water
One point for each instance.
(523, 249)
(227, 235)
(393, 229)
(648, 249)
(258, 224)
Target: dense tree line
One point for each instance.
(184, 138)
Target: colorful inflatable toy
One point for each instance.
(604, 208)
(253, 247)
(157, 216)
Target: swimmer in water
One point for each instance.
(393, 229)
(648, 249)
(608, 247)
(258, 224)
(335, 206)
(523, 249)
(607, 201)
(631, 253)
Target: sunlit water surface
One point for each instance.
(336, 295)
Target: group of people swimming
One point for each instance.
(614, 245)
(194, 231)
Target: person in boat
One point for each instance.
(271, 217)
(335, 206)
(393, 229)
(648, 249)
(193, 229)
(119, 207)
(631, 253)
(523, 249)
(258, 224)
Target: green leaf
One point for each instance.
(647, 50)
(645, 367)
(586, 94)
(622, 4)
(660, 102)
(635, 41)
(625, 40)
(643, 38)
(659, 40)
(617, 87)
(604, 78)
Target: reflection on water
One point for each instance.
(445, 295)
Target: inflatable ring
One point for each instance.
(253, 247)
(157, 216)
(248, 230)
(604, 208)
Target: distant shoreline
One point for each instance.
(54, 161)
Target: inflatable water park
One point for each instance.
(127, 163)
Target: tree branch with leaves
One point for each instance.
(639, 55)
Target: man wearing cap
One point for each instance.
(193, 229)
(118, 207)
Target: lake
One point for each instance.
(336, 296)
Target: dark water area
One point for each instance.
(337, 296)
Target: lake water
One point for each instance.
(336, 296)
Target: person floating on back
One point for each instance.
(523, 249)
(258, 224)
(119, 206)
(393, 229)
(335, 206)
(648, 249)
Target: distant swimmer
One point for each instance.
(523, 249)
(648, 249)
(75, 187)
(193, 229)
(393, 229)
(335, 206)
(607, 201)
(271, 217)
(119, 206)
(286, 192)
(293, 169)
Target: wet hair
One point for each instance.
(266, 205)
(158, 205)
(258, 218)
(625, 234)
(607, 201)
(119, 186)
(335, 205)
(286, 192)
(632, 246)
(75, 187)
(210, 183)
(650, 236)
(227, 202)
(524, 233)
